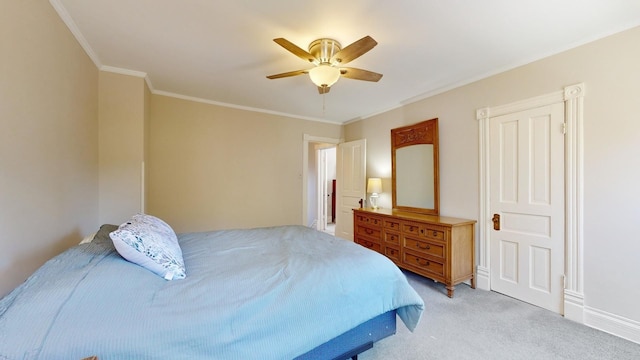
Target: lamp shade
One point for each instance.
(374, 185)
(324, 75)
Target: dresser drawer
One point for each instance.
(391, 237)
(424, 264)
(392, 224)
(368, 220)
(411, 228)
(369, 232)
(392, 253)
(428, 248)
(369, 244)
(423, 230)
(432, 232)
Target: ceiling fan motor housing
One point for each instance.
(324, 49)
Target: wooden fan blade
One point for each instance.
(359, 74)
(354, 50)
(287, 74)
(323, 89)
(295, 50)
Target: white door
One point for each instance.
(527, 194)
(321, 159)
(326, 173)
(350, 184)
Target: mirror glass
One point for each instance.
(414, 173)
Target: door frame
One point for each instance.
(573, 98)
(306, 140)
(322, 188)
(350, 185)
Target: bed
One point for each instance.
(286, 292)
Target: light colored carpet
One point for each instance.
(478, 324)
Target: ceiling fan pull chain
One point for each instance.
(324, 96)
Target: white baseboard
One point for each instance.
(612, 324)
(483, 278)
(575, 310)
(574, 306)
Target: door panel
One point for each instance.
(527, 191)
(350, 184)
(509, 261)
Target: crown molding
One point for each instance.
(66, 18)
(129, 72)
(239, 107)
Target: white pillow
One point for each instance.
(151, 243)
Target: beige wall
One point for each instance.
(48, 137)
(122, 116)
(212, 167)
(145, 156)
(609, 68)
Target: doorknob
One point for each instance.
(496, 221)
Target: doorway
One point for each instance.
(326, 188)
(526, 155)
(572, 97)
(314, 174)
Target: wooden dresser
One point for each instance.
(440, 248)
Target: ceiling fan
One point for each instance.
(328, 55)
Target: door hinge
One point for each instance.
(564, 281)
(564, 128)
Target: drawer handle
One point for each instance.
(393, 252)
(368, 244)
(411, 228)
(368, 231)
(435, 233)
(423, 262)
(425, 247)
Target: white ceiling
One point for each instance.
(221, 51)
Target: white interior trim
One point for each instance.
(574, 257)
(306, 139)
(128, 72)
(154, 91)
(572, 96)
(240, 107)
(66, 18)
(320, 173)
(483, 275)
(612, 324)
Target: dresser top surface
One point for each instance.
(405, 215)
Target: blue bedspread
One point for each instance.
(269, 293)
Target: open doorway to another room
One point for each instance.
(321, 182)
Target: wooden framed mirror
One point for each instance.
(414, 168)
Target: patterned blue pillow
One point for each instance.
(151, 243)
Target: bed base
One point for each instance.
(356, 340)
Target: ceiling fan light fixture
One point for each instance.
(327, 55)
(324, 75)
